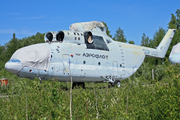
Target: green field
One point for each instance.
(51, 99)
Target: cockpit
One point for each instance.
(94, 42)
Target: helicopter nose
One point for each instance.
(13, 66)
(175, 58)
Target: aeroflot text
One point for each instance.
(95, 56)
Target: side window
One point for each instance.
(99, 43)
(95, 42)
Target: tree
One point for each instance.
(145, 40)
(158, 36)
(172, 23)
(2, 54)
(178, 18)
(11, 47)
(119, 35)
(107, 29)
(131, 42)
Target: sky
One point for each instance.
(135, 17)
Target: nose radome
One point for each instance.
(13, 66)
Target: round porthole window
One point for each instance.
(99, 63)
(84, 62)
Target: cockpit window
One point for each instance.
(97, 42)
(101, 28)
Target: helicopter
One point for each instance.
(84, 52)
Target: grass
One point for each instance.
(50, 100)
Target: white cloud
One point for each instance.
(7, 31)
(30, 18)
(10, 14)
(10, 31)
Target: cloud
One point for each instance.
(9, 14)
(11, 31)
(30, 18)
(14, 14)
(7, 31)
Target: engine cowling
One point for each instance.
(50, 36)
(64, 36)
(60, 36)
(70, 37)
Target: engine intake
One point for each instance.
(50, 36)
(66, 36)
(60, 36)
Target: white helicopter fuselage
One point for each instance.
(103, 60)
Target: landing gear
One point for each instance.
(112, 81)
(78, 85)
(116, 82)
(40, 80)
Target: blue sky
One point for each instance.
(135, 17)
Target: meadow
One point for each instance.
(135, 99)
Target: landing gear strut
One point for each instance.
(78, 84)
(116, 82)
(112, 81)
(40, 80)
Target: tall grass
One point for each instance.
(50, 100)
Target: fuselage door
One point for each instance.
(66, 64)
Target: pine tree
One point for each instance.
(145, 40)
(119, 36)
(11, 47)
(172, 23)
(178, 18)
(158, 36)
